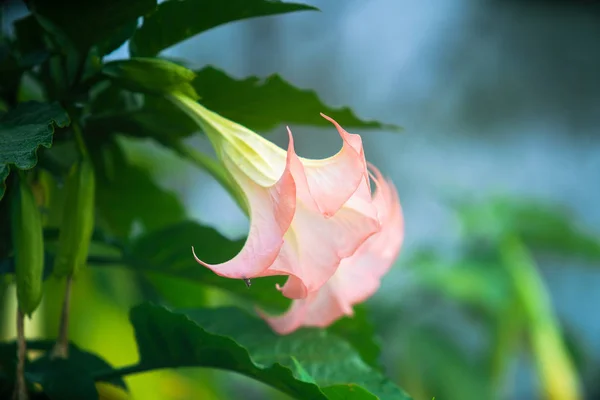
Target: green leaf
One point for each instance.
(169, 251)
(465, 280)
(543, 227)
(90, 23)
(360, 333)
(158, 118)
(438, 363)
(8, 357)
(4, 170)
(30, 41)
(151, 75)
(118, 37)
(107, 98)
(29, 34)
(10, 72)
(60, 379)
(66, 380)
(25, 128)
(44, 368)
(263, 105)
(230, 339)
(127, 194)
(176, 292)
(175, 21)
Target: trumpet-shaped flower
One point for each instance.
(306, 216)
(358, 276)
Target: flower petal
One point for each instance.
(319, 309)
(357, 277)
(316, 243)
(271, 213)
(388, 242)
(332, 181)
(315, 247)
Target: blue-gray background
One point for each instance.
(495, 97)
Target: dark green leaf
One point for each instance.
(263, 105)
(175, 21)
(78, 360)
(30, 41)
(8, 355)
(10, 72)
(118, 37)
(7, 265)
(126, 193)
(25, 128)
(157, 118)
(543, 227)
(169, 251)
(107, 98)
(89, 23)
(65, 380)
(360, 333)
(176, 292)
(151, 75)
(4, 170)
(233, 340)
(29, 34)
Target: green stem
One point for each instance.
(122, 371)
(20, 387)
(214, 169)
(79, 138)
(61, 349)
(506, 339)
(555, 367)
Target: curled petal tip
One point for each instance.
(199, 261)
(291, 138)
(376, 172)
(328, 118)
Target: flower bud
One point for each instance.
(28, 244)
(78, 219)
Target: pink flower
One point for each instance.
(306, 216)
(358, 276)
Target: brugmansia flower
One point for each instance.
(314, 221)
(305, 215)
(357, 276)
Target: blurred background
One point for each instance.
(498, 170)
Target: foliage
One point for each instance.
(79, 108)
(492, 286)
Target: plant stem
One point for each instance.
(213, 168)
(61, 348)
(20, 388)
(79, 138)
(555, 367)
(119, 372)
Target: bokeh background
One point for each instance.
(498, 166)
